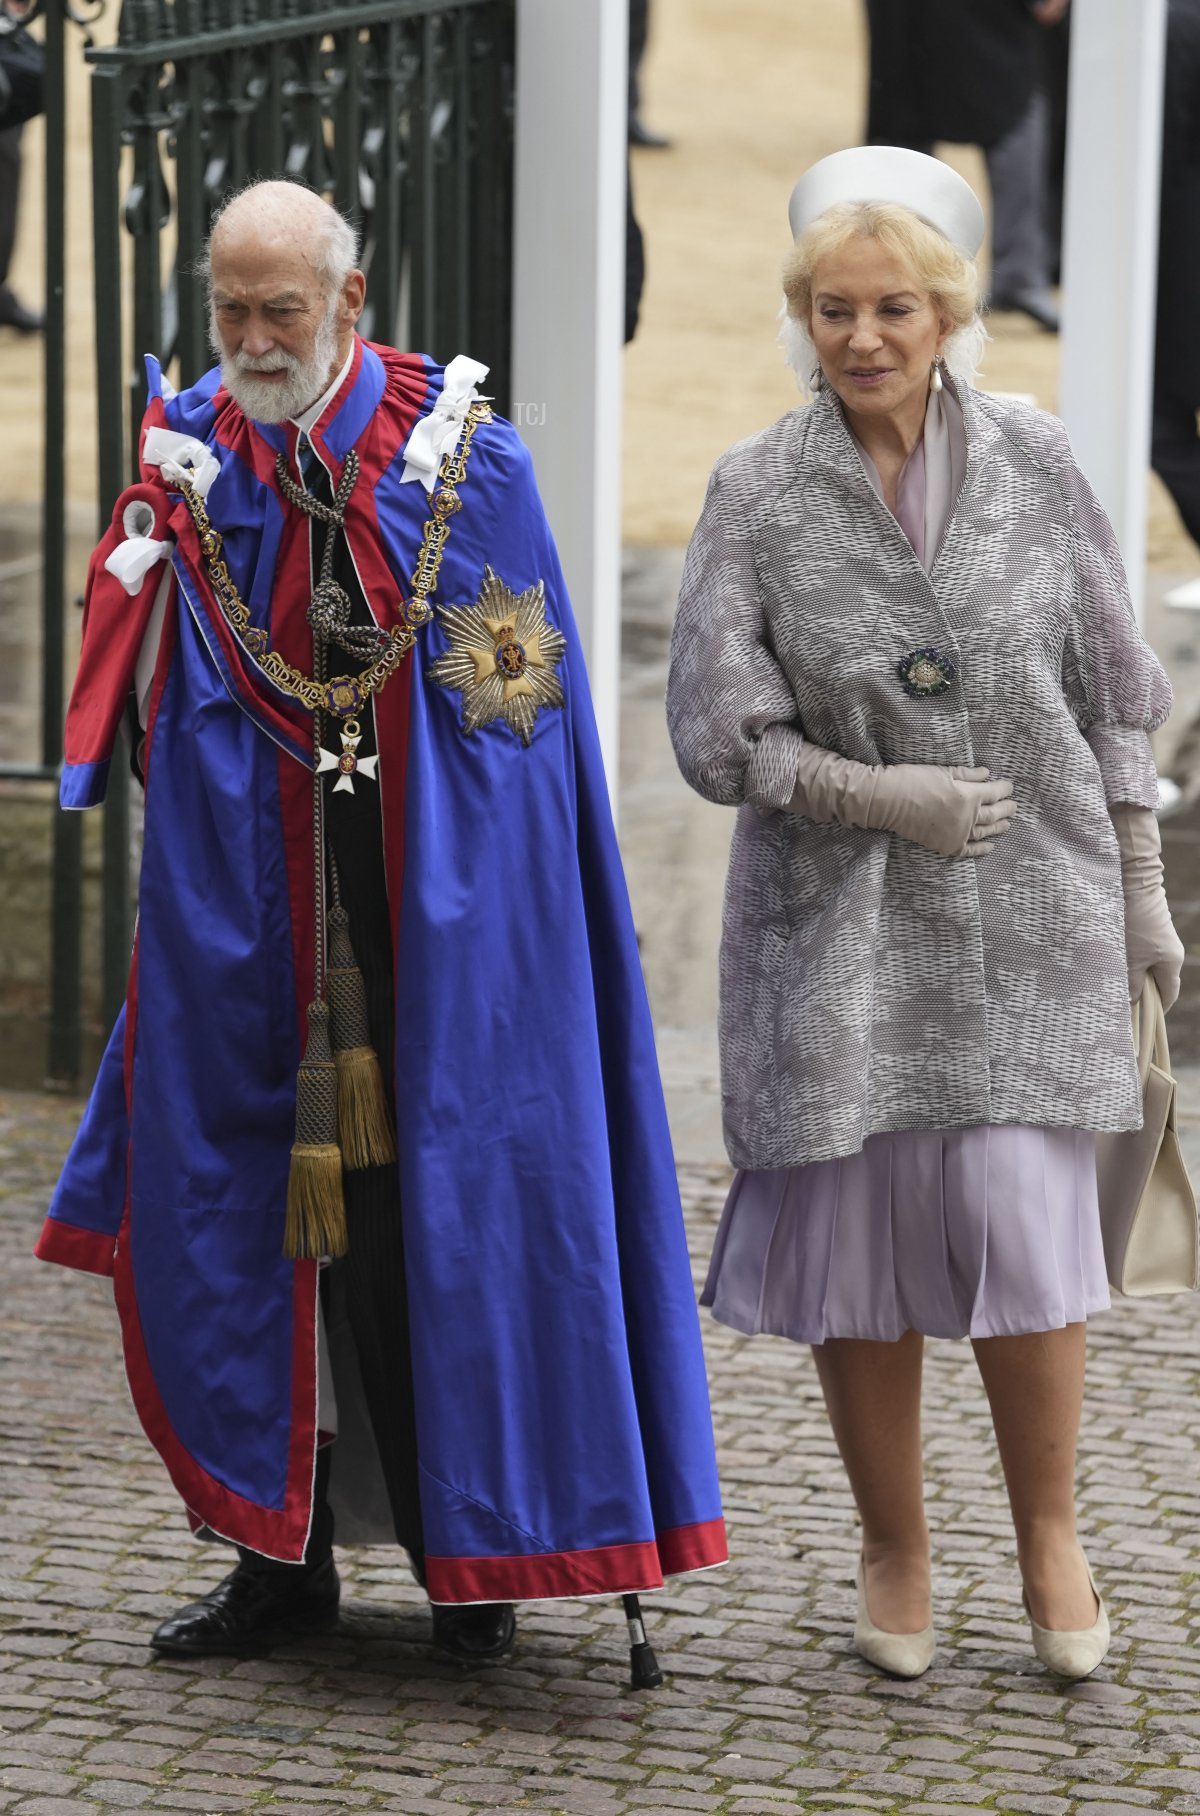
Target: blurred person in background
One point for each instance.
(942, 71)
(904, 650)
(21, 97)
(639, 32)
(1175, 449)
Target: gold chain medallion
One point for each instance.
(343, 695)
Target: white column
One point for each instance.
(568, 304)
(1110, 251)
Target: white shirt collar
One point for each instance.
(313, 414)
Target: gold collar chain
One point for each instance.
(344, 695)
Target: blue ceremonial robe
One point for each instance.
(563, 1428)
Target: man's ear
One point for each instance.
(354, 292)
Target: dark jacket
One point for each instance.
(1179, 233)
(961, 70)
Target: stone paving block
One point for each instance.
(1129, 1796)
(210, 1803)
(1111, 1809)
(124, 1793)
(35, 1778)
(128, 1753)
(308, 1796)
(1026, 1803)
(947, 1809)
(757, 1806)
(56, 1806)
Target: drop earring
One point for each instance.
(816, 380)
(935, 376)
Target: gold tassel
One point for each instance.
(364, 1123)
(316, 1208)
(364, 1127)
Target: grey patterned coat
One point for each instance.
(866, 984)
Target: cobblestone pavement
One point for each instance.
(765, 1708)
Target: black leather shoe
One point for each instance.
(252, 1608)
(1038, 305)
(14, 314)
(641, 135)
(478, 1633)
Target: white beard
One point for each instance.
(277, 400)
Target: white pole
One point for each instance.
(568, 305)
(1110, 252)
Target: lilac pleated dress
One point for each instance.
(981, 1232)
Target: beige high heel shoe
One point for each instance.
(1073, 1652)
(900, 1654)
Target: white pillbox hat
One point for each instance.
(891, 173)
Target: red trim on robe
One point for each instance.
(606, 1570)
(91, 1251)
(698, 1547)
(280, 1533)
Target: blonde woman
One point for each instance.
(904, 651)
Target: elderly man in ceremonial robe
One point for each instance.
(377, 1151)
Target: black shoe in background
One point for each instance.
(14, 314)
(475, 1633)
(641, 136)
(252, 1608)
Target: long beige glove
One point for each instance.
(955, 811)
(1151, 942)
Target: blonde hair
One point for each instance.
(947, 276)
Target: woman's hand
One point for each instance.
(1151, 942)
(954, 811)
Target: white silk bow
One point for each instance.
(436, 434)
(177, 457)
(181, 457)
(132, 559)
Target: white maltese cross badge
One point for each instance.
(502, 657)
(348, 762)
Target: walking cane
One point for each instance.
(644, 1670)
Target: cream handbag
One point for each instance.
(1147, 1205)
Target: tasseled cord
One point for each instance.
(316, 1203)
(364, 1124)
(316, 1207)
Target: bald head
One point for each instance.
(284, 296)
(279, 214)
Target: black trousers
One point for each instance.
(10, 186)
(1175, 452)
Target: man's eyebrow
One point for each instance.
(284, 300)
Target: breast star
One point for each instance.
(502, 657)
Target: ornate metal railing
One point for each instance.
(400, 111)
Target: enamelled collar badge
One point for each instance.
(925, 672)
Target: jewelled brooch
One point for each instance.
(924, 672)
